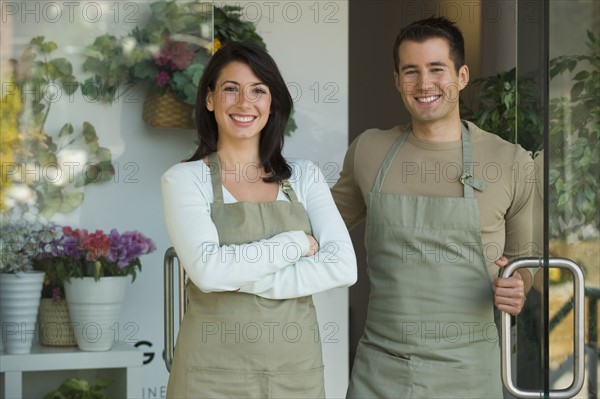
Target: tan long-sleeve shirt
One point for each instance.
(433, 169)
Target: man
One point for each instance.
(443, 200)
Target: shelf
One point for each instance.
(21, 373)
(44, 358)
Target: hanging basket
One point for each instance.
(56, 328)
(166, 111)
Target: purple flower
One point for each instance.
(49, 243)
(71, 247)
(127, 247)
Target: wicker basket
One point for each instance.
(56, 328)
(166, 111)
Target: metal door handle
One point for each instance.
(169, 266)
(578, 345)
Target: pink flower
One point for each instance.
(181, 56)
(162, 79)
(173, 56)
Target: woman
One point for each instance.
(257, 238)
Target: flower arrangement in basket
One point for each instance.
(167, 55)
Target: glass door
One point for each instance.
(553, 351)
(573, 171)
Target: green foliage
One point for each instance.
(75, 388)
(64, 198)
(575, 142)
(499, 97)
(506, 102)
(56, 187)
(118, 62)
(43, 78)
(180, 22)
(229, 26)
(110, 63)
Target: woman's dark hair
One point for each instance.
(429, 28)
(271, 138)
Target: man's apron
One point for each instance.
(238, 345)
(430, 330)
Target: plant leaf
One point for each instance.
(89, 133)
(576, 90)
(48, 47)
(37, 41)
(581, 75)
(66, 130)
(70, 201)
(99, 172)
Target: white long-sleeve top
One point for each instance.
(272, 268)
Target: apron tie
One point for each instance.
(467, 179)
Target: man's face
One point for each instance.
(428, 81)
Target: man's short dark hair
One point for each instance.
(430, 28)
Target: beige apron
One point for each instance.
(238, 345)
(430, 330)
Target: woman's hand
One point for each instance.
(313, 245)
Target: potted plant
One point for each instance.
(56, 328)
(20, 284)
(167, 56)
(95, 269)
(76, 388)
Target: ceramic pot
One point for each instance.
(20, 295)
(95, 307)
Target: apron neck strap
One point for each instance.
(467, 179)
(215, 176)
(387, 162)
(287, 189)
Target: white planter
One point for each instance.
(19, 303)
(95, 307)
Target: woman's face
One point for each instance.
(241, 103)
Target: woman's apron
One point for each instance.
(430, 330)
(238, 345)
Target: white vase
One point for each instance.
(95, 307)
(20, 295)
